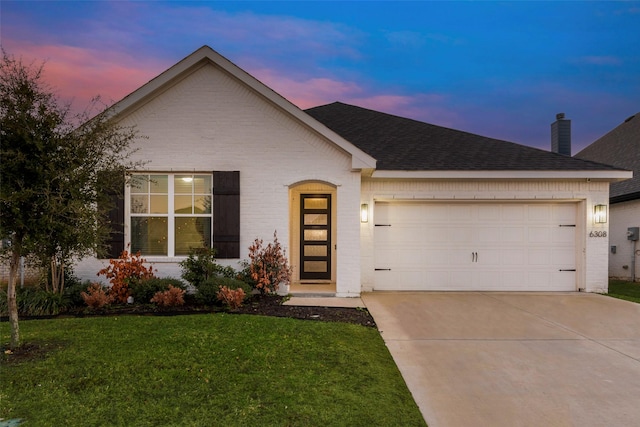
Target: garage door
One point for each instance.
(475, 246)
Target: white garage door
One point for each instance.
(475, 246)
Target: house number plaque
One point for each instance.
(598, 234)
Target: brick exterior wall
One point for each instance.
(209, 121)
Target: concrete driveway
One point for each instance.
(515, 359)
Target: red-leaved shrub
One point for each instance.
(123, 271)
(268, 265)
(172, 297)
(96, 296)
(232, 298)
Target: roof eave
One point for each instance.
(599, 175)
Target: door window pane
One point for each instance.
(315, 203)
(316, 235)
(149, 235)
(315, 219)
(192, 233)
(315, 266)
(315, 250)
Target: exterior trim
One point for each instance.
(610, 176)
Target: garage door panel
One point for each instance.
(538, 256)
(539, 213)
(539, 235)
(564, 235)
(563, 258)
(474, 246)
(515, 258)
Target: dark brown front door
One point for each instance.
(315, 236)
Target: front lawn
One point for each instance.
(203, 370)
(624, 290)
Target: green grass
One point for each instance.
(624, 290)
(204, 370)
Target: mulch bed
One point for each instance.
(265, 305)
(271, 305)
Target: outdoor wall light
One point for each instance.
(364, 212)
(600, 214)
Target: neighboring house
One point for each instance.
(362, 200)
(621, 148)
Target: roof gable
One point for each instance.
(360, 159)
(619, 147)
(401, 144)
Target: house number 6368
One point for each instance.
(598, 234)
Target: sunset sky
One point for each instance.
(499, 69)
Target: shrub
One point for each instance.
(123, 272)
(73, 293)
(143, 290)
(232, 298)
(172, 297)
(201, 265)
(207, 292)
(268, 266)
(96, 297)
(35, 301)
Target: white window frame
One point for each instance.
(170, 215)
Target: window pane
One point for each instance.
(315, 250)
(159, 204)
(202, 184)
(139, 204)
(319, 235)
(139, 184)
(182, 204)
(319, 203)
(159, 184)
(315, 266)
(315, 219)
(202, 205)
(192, 233)
(149, 235)
(183, 184)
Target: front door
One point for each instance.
(315, 237)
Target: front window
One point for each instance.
(170, 213)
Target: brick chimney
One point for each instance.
(561, 135)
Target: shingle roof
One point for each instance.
(403, 144)
(621, 148)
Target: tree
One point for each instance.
(57, 171)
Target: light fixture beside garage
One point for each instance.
(600, 214)
(364, 212)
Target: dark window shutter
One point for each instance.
(115, 217)
(115, 243)
(226, 214)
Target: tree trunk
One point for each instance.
(16, 250)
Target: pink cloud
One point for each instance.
(311, 92)
(79, 74)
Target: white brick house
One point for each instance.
(445, 209)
